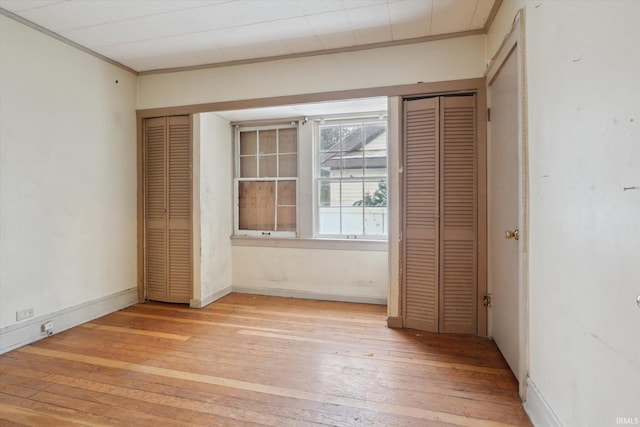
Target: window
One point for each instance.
(351, 178)
(266, 181)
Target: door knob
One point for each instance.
(512, 234)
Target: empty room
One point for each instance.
(319, 212)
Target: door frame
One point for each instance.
(514, 44)
(141, 207)
(396, 216)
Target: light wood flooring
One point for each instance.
(254, 360)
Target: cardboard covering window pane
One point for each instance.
(275, 157)
(249, 166)
(248, 143)
(286, 218)
(268, 143)
(286, 193)
(268, 166)
(288, 165)
(288, 140)
(256, 203)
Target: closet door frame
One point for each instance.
(141, 116)
(481, 134)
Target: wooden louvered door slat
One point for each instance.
(458, 229)
(421, 214)
(168, 256)
(179, 209)
(155, 201)
(440, 215)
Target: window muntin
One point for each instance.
(351, 179)
(266, 181)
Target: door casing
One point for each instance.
(396, 215)
(513, 45)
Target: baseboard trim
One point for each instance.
(538, 409)
(200, 303)
(394, 322)
(288, 293)
(23, 333)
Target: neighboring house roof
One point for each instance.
(352, 144)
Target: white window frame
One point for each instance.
(316, 179)
(237, 179)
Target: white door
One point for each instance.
(503, 178)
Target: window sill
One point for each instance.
(330, 244)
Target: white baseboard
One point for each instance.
(538, 409)
(200, 303)
(26, 332)
(29, 331)
(288, 293)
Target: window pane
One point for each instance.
(330, 138)
(329, 220)
(286, 218)
(248, 167)
(375, 193)
(375, 162)
(268, 142)
(288, 165)
(268, 166)
(352, 178)
(256, 205)
(352, 138)
(326, 192)
(288, 140)
(287, 193)
(248, 143)
(329, 207)
(352, 210)
(376, 136)
(375, 220)
(352, 164)
(352, 194)
(330, 164)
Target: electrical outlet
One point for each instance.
(24, 314)
(47, 327)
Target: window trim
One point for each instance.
(337, 119)
(275, 125)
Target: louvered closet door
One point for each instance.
(155, 202)
(440, 215)
(458, 230)
(179, 210)
(421, 197)
(168, 256)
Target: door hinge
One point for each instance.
(486, 300)
(488, 114)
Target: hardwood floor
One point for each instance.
(253, 360)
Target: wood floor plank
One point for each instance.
(252, 360)
(303, 411)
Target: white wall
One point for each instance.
(67, 175)
(443, 60)
(360, 276)
(583, 65)
(215, 204)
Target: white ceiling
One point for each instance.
(160, 34)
